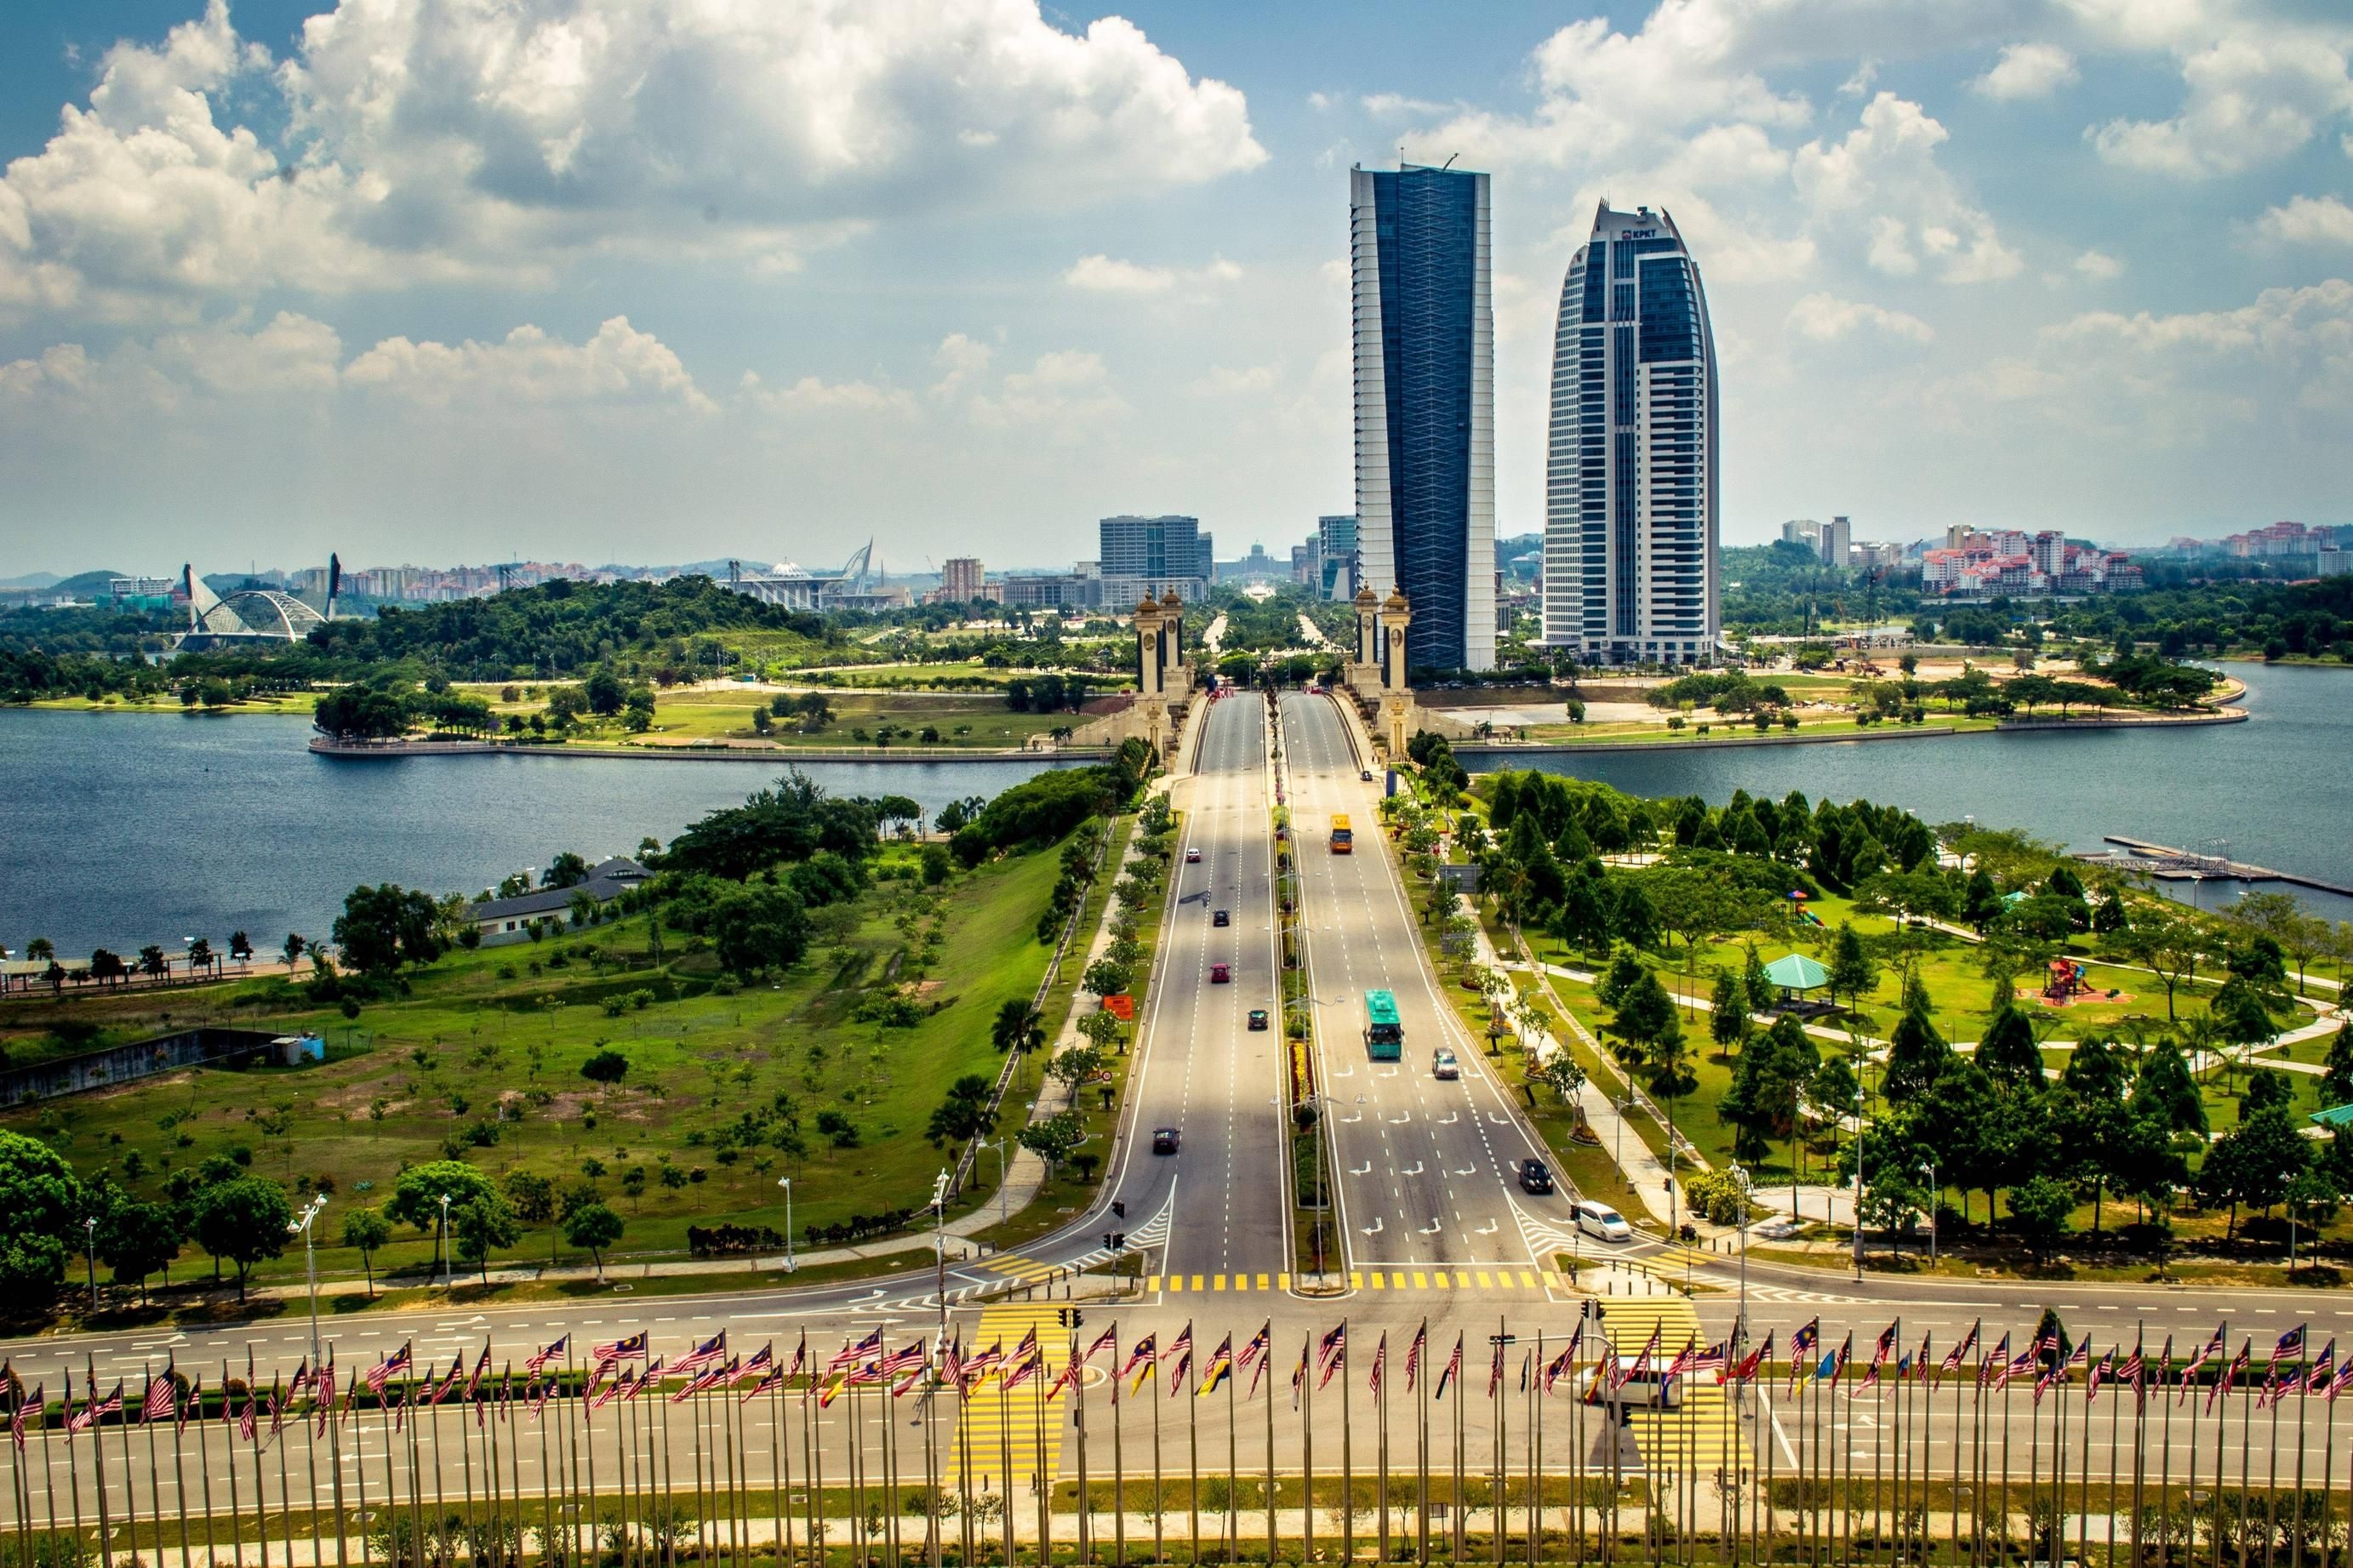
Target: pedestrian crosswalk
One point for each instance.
(1703, 1435)
(1491, 1278)
(1015, 1436)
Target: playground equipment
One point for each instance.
(1798, 901)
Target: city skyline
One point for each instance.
(1950, 269)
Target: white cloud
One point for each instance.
(2099, 266)
(2028, 70)
(813, 394)
(529, 367)
(1104, 275)
(2255, 94)
(1063, 391)
(1222, 381)
(958, 360)
(1883, 179)
(2308, 220)
(410, 140)
(1826, 319)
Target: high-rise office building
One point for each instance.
(1336, 544)
(1425, 403)
(1632, 568)
(1167, 551)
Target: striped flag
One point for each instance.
(2324, 1376)
(249, 1421)
(1413, 1354)
(1453, 1369)
(194, 1405)
(2231, 1373)
(710, 1350)
(1960, 1352)
(1106, 1340)
(1641, 1364)
(649, 1378)
(1260, 1343)
(1996, 1360)
(37, 1403)
(1380, 1364)
(1299, 1373)
(2099, 1372)
(1801, 1347)
(767, 1384)
(1884, 1347)
(1561, 1365)
(1332, 1354)
(2200, 1356)
(322, 1406)
(1220, 1367)
(163, 1397)
(482, 1367)
(762, 1363)
(385, 1370)
(852, 1354)
(598, 1399)
(632, 1347)
(536, 1362)
(801, 1357)
(1495, 1369)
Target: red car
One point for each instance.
(1221, 975)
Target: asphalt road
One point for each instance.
(1428, 1169)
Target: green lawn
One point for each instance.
(506, 1029)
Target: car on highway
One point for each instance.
(1603, 1222)
(1165, 1139)
(1221, 918)
(1258, 1018)
(1443, 1066)
(1192, 857)
(1365, 775)
(1220, 974)
(1535, 1176)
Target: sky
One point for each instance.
(454, 280)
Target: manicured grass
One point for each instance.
(498, 1037)
(277, 703)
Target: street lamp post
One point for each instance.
(304, 1225)
(449, 1275)
(1928, 1169)
(1858, 1178)
(89, 1254)
(786, 1183)
(1740, 1181)
(940, 1238)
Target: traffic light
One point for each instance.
(1119, 1208)
(1069, 1316)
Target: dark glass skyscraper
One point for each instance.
(1632, 571)
(1425, 395)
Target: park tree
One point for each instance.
(1728, 1021)
(2163, 1088)
(478, 1210)
(1106, 977)
(757, 928)
(964, 1114)
(2091, 1117)
(607, 1067)
(1054, 1138)
(384, 928)
(2253, 1164)
(1766, 1083)
(1851, 968)
(1916, 1053)
(40, 1204)
(533, 1195)
(2164, 944)
(137, 1240)
(2040, 1208)
(481, 1225)
(2336, 1072)
(2007, 1051)
(244, 1220)
(368, 1232)
(1980, 901)
(595, 1227)
(1018, 1026)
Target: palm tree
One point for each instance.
(1018, 1027)
(40, 949)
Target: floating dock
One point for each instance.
(2164, 861)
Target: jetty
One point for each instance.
(2176, 865)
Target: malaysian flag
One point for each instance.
(2101, 1370)
(1684, 1357)
(1495, 1368)
(1563, 1363)
(2232, 1373)
(1332, 1354)
(712, 1350)
(248, 1420)
(1834, 1362)
(194, 1405)
(627, 1383)
(899, 1361)
(536, 1362)
(1260, 1344)
(801, 1357)
(1960, 1352)
(482, 1369)
(2323, 1378)
(163, 1397)
(983, 1362)
(632, 1347)
(322, 1406)
(762, 1363)
(767, 1384)
(1413, 1354)
(1106, 1340)
(385, 1370)
(694, 1385)
(1920, 1362)
(449, 1384)
(1299, 1373)
(649, 1378)
(1881, 1349)
(1380, 1364)
(1453, 1369)
(1711, 1358)
(2290, 1346)
(1220, 1367)
(2201, 1355)
(535, 1395)
(1028, 1345)
(1641, 1364)
(1801, 1349)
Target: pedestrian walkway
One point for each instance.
(1491, 1278)
(1702, 1435)
(1015, 1436)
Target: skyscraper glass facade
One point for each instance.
(1162, 550)
(1631, 565)
(1424, 329)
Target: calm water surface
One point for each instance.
(120, 830)
(2276, 787)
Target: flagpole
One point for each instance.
(1462, 1523)
(817, 1471)
(1159, 1545)
(309, 1477)
(1420, 1456)
(2303, 1409)
(1233, 1470)
(2328, 1451)
(1086, 1503)
(1348, 1456)
(1118, 1465)
(1535, 1460)
(154, 1472)
(2246, 1417)
(1267, 1361)
(1191, 1373)
(1381, 1421)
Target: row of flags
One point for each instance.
(625, 1369)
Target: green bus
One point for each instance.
(1384, 1036)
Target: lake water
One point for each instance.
(123, 830)
(2275, 789)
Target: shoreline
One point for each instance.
(387, 751)
(1468, 749)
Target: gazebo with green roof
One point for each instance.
(2337, 1117)
(1794, 972)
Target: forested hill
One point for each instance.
(558, 628)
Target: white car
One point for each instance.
(1442, 1065)
(1603, 1222)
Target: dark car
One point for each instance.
(1220, 974)
(1258, 1018)
(1165, 1139)
(1221, 918)
(1365, 775)
(1534, 1177)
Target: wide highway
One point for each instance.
(1427, 1168)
